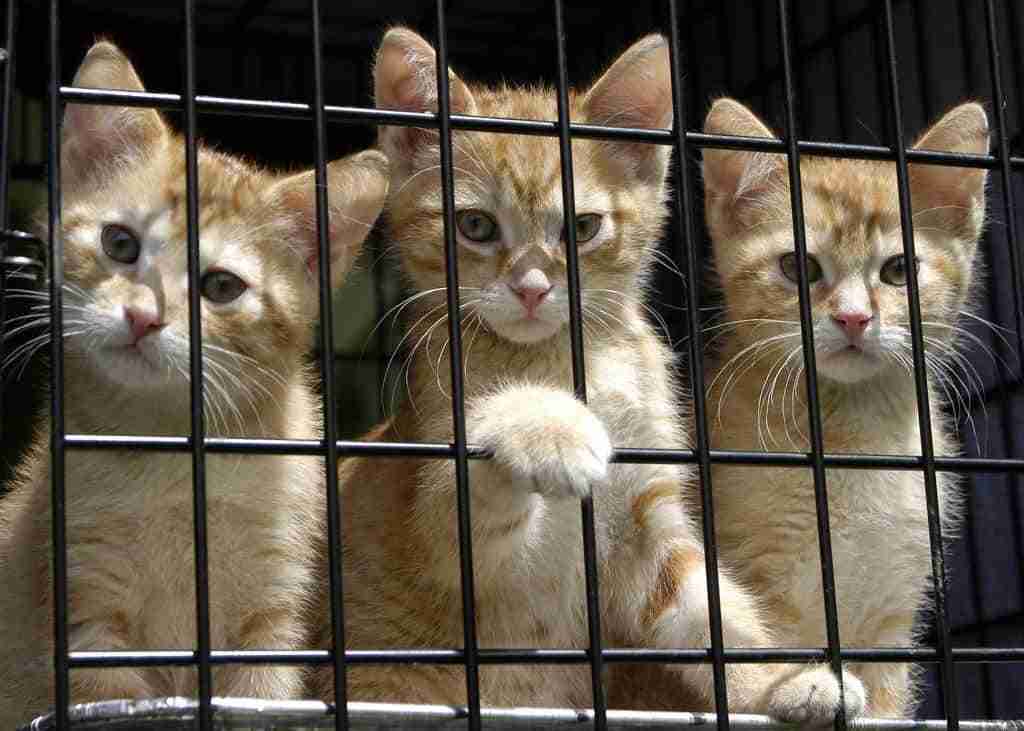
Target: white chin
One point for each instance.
(129, 367)
(525, 331)
(848, 366)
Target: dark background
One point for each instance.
(261, 49)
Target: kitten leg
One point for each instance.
(544, 441)
(546, 446)
(91, 685)
(264, 628)
(811, 695)
(670, 609)
(891, 687)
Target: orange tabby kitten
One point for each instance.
(857, 277)
(129, 514)
(402, 585)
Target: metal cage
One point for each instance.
(687, 249)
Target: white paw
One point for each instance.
(546, 440)
(812, 697)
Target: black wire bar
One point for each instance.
(828, 581)
(506, 656)
(687, 253)
(57, 507)
(579, 376)
(628, 455)
(941, 619)
(330, 404)
(428, 120)
(458, 394)
(198, 427)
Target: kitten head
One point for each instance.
(508, 191)
(125, 242)
(855, 263)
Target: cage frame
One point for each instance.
(471, 657)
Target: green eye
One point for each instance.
(587, 227)
(120, 243)
(221, 287)
(894, 270)
(477, 226)
(787, 263)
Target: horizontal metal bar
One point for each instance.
(298, 110)
(630, 455)
(164, 658)
(160, 713)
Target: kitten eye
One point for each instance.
(477, 226)
(894, 270)
(787, 263)
(221, 287)
(587, 226)
(120, 243)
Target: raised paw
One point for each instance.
(811, 697)
(545, 440)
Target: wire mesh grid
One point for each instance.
(206, 712)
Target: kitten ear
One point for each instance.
(636, 91)
(953, 196)
(356, 188)
(730, 175)
(92, 136)
(405, 79)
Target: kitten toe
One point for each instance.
(812, 697)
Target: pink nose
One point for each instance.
(531, 296)
(853, 323)
(142, 322)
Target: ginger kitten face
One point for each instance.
(856, 268)
(125, 239)
(508, 193)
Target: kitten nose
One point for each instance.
(532, 289)
(142, 322)
(853, 323)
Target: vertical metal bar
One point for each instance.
(57, 506)
(458, 393)
(920, 380)
(327, 374)
(689, 257)
(807, 333)
(196, 379)
(579, 370)
(6, 115)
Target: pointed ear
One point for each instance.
(356, 188)
(94, 137)
(729, 175)
(636, 91)
(953, 196)
(405, 79)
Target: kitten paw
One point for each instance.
(812, 697)
(547, 441)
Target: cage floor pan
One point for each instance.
(256, 715)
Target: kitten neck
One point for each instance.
(95, 404)
(489, 359)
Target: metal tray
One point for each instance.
(165, 714)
